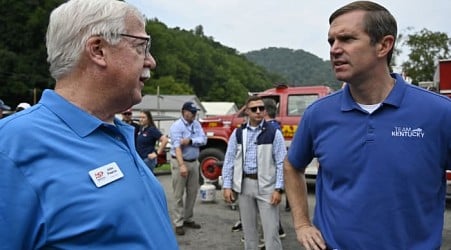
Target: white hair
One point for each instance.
(74, 22)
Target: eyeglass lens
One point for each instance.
(254, 109)
(148, 39)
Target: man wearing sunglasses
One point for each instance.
(253, 169)
(127, 117)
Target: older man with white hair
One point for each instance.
(70, 175)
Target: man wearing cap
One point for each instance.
(186, 137)
(3, 106)
(127, 116)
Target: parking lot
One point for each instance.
(217, 218)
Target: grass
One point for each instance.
(163, 168)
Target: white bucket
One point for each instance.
(207, 192)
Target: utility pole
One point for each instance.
(34, 96)
(158, 105)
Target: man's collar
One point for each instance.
(259, 126)
(80, 121)
(394, 98)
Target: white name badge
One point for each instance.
(106, 174)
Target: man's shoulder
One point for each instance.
(26, 128)
(177, 124)
(274, 123)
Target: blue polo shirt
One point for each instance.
(47, 197)
(146, 140)
(381, 182)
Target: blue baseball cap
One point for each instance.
(190, 107)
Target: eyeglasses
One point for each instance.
(127, 113)
(260, 108)
(146, 46)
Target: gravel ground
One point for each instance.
(217, 219)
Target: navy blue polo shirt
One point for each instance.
(146, 140)
(381, 182)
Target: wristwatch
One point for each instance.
(279, 190)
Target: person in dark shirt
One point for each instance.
(148, 136)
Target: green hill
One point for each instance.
(188, 61)
(299, 67)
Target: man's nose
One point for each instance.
(149, 61)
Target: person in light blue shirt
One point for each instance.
(383, 147)
(70, 175)
(187, 136)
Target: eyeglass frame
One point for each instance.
(147, 39)
(254, 109)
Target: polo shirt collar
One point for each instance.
(77, 119)
(259, 126)
(185, 121)
(394, 98)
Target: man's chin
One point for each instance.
(137, 98)
(341, 77)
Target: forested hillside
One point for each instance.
(188, 61)
(191, 62)
(299, 67)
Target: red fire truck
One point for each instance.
(443, 77)
(443, 80)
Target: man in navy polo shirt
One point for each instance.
(70, 175)
(383, 146)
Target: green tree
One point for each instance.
(168, 85)
(426, 47)
(23, 65)
(299, 67)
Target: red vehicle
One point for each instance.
(444, 77)
(444, 87)
(291, 102)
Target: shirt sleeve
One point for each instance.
(21, 219)
(279, 152)
(176, 134)
(199, 138)
(300, 153)
(227, 167)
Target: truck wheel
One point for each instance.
(208, 167)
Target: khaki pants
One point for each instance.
(183, 208)
(251, 205)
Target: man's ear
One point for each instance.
(385, 45)
(95, 50)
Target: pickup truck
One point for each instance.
(291, 103)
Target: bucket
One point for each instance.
(207, 192)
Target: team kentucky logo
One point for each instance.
(407, 132)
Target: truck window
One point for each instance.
(298, 103)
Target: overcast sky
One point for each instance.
(248, 25)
